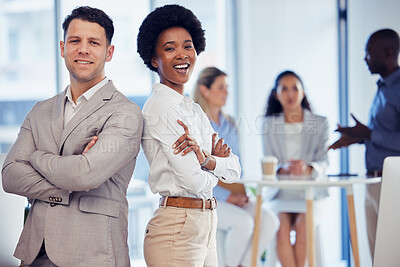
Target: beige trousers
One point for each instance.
(181, 237)
(371, 212)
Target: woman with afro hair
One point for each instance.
(185, 156)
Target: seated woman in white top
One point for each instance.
(182, 231)
(298, 138)
(235, 211)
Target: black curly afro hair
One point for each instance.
(163, 18)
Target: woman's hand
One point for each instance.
(299, 167)
(239, 200)
(186, 143)
(219, 149)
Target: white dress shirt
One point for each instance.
(71, 108)
(293, 140)
(177, 175)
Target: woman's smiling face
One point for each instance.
(175, 57)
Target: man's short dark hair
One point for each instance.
(163, 18)
(91, 14)
(389, 38)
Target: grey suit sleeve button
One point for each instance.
(52, 204)
(51, 198)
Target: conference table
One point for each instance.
(309, 186)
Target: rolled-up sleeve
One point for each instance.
(163, 126)
(187, 169)
(228, 169)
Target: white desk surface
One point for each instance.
(308, 185)
(286, 181)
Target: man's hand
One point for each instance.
(344, 141)
(90, 144)
(239, 200)
(219, 149)
(186, 143)
(359, 131)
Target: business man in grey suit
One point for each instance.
(74, 158)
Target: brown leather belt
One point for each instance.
(189, 202)
(374, 174)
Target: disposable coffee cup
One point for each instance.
(269, 165)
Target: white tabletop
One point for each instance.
(308, 185)
(285, 181)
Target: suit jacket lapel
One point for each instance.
(95, 102)
(57, 117)
(307, 133)
(280, 136)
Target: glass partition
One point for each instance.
(27, 65)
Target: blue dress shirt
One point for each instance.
(384, 121)
(226, 130)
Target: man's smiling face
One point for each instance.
(86, 51)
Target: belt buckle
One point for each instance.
(213, 203)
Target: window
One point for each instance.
(27, 66)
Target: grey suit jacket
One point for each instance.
(315, 135)
(79, 200)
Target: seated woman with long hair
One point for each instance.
(298, 138)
